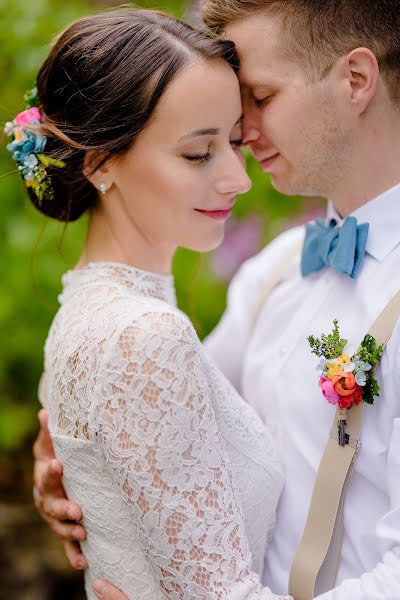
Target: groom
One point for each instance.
(321, 95)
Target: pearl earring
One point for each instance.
(102, 188)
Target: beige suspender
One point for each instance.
(316, 562)
(314, 568)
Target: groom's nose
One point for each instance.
(251, 130)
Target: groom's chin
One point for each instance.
(287, 187)
(293, 187)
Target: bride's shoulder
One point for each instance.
(158, 338)
(156, 323)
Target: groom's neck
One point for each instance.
(374, 167)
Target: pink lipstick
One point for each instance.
(219, 215)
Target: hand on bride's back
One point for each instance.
(105, 591)
(50, 498)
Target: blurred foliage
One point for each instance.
(35, 252)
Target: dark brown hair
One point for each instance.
(317, 32)
(99, 87)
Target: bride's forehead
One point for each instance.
(201, 79)
(198, 92)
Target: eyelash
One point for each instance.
(262, 101)
(204, 158)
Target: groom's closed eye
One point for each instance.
(262, 101)
(261, 95)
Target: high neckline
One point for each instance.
(142, 282)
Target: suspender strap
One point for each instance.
(316, 562)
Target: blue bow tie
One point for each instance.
(342, 248)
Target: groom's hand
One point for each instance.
(105, 591)
(50, 499)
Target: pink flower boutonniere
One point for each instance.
(346, 377)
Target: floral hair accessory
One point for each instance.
(346, 377)
(27, 148)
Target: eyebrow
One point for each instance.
(258, 85)
(202, 132)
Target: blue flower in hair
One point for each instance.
(26, 144)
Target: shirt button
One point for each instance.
(283, 350)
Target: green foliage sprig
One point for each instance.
(370, 353)
(328, 346)
(31, 98)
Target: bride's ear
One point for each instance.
(99, 177)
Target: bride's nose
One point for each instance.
(233, 178)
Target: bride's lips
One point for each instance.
(216, 214)
(267, 162)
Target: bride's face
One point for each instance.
(179, 181)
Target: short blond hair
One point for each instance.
(317, 32)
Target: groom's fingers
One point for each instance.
(50, 499)
(75, 557)
(67, 531)
(105, 591)
(48, 476)
(47, 469)
(43, 447)
(61, 509)
(44, 440)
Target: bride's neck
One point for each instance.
(114, 239)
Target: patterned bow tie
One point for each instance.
(342, 248)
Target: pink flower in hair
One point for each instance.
(28, 116)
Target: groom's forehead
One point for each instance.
(264, 73)
(260, 48)
(248, 83)
(259, 68)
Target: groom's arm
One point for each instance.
(382, 583)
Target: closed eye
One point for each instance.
(262, 101)
(198, 158)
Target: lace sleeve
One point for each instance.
(158, 433)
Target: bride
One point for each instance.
(139, 123)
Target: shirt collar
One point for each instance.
(383, 215)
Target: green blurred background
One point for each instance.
(34, 254)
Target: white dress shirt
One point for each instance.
(274, 369)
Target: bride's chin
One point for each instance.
(207, 244)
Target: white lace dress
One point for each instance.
(178, 478)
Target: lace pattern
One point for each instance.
(178, 478)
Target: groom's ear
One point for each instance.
(362, 74)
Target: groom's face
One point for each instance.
(299, 130)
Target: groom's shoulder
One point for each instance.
(255, 272)
(277, 251)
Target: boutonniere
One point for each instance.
(346, 376)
